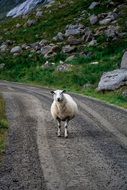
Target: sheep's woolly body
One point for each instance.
(66, 109)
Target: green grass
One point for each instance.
(3, 128)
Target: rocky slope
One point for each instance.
(82, 40)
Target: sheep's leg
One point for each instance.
(59, 128)
(66, 128)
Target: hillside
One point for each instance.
(66, 45)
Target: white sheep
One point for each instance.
(63, 108)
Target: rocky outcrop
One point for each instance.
(25, 7)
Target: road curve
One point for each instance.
(94, 157)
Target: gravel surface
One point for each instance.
(94, 157)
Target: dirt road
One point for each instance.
(94, 157)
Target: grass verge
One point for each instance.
(3, 128)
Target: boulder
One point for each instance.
(92, 43)
(112, 31)
(68, 49)
(43, 42)
(25, 47)
(16, 49)
(113, 80)
(74, 41)
(93, 19)
(31, 22)
(39, 14)
(88, 35)
(3, 48)
(49, 50)
(107, 18)
(74, 30)
(93, 5)
(105, 21)
(59, 37)
(18, 25)
(124, 61)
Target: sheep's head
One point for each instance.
(58, 95)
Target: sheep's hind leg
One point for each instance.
(59, 127)
(66, 130)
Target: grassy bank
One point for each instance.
(28, 67)
(3, 127)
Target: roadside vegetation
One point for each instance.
(84, 76)
(3, 128)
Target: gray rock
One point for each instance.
(68, 49)
(113, 80)
(88, 35)
(64, 68)
(112, 15)
(74, 41)
(105, 21)
(93, 5)
(107, 18)
(3, 48)
(18, 25)
(25, 47)
(31, 22)
(112, 31)
(43, 42)
(59, 37)
(93, 19)
(16, 49)
(39, 14)
(92, 43)
(9, 42)
(49, 50)
(74, 30)
(124, 61)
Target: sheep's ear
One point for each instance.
(52, 92)
(63, 91)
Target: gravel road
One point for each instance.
(94, 157)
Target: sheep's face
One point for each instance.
(58, 95)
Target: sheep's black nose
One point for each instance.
(58, 99)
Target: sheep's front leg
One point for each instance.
(59, 128)
(66, 128)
